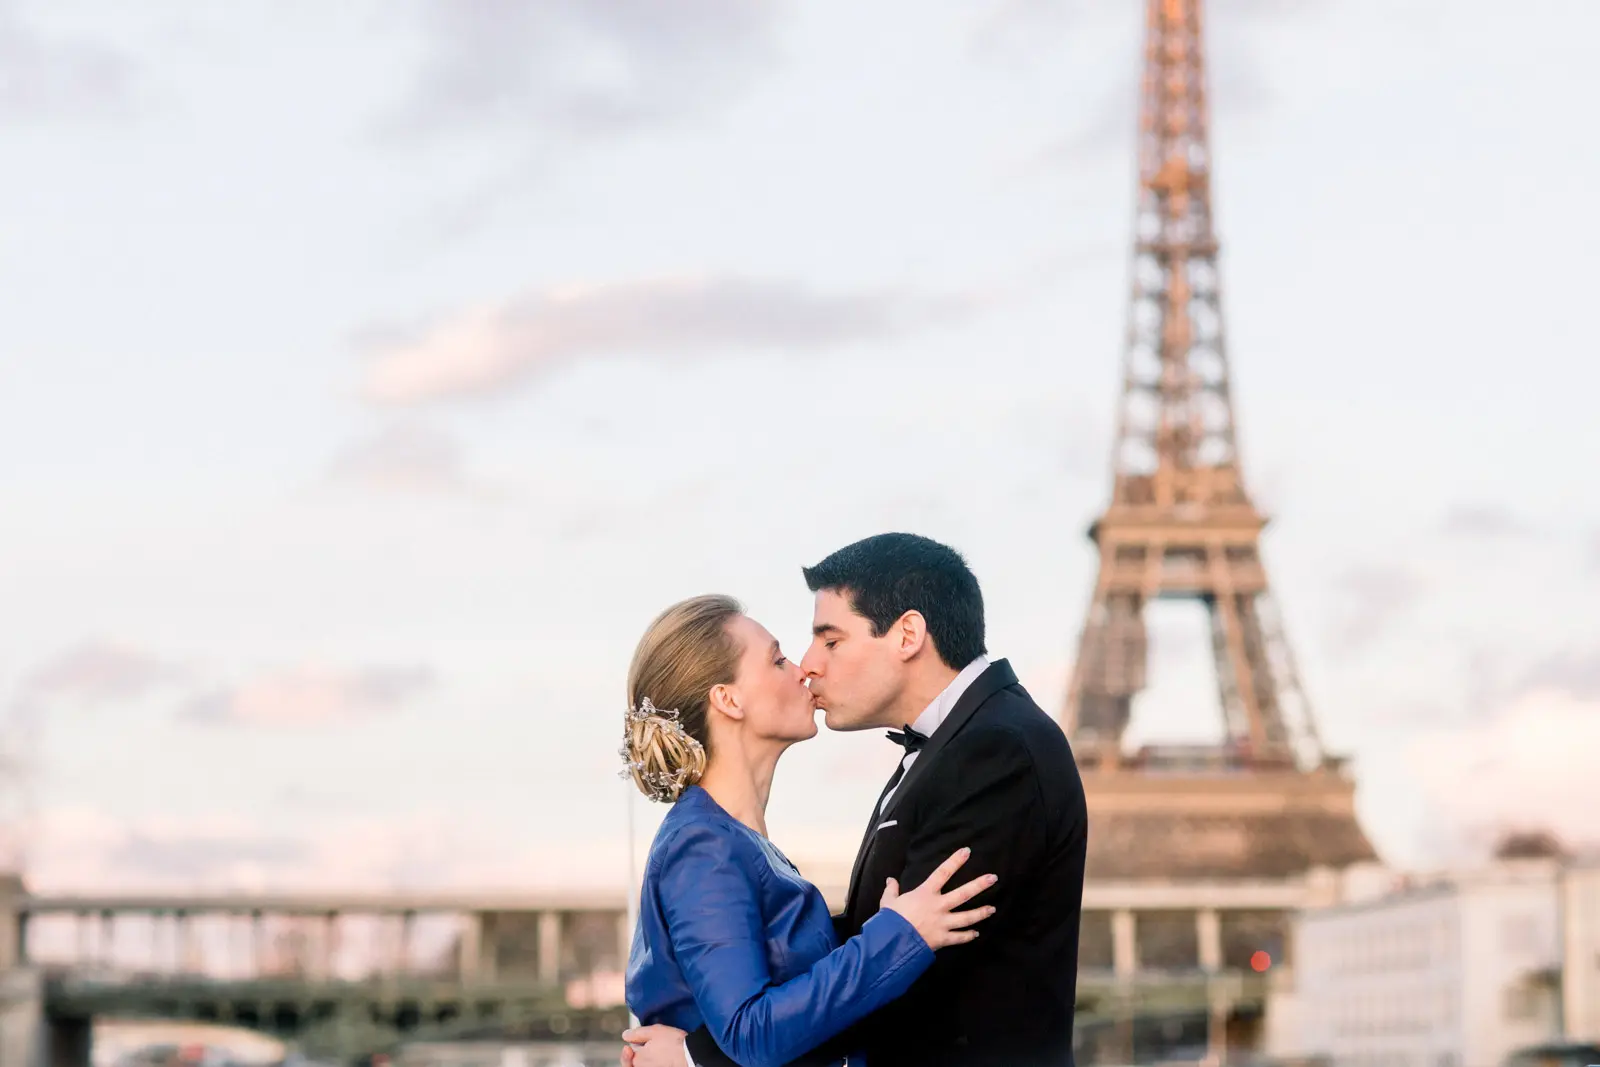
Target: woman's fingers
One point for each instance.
(958, 919)
(965, 892)
(947, 870)
(955, 937)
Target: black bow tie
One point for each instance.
(908, 739)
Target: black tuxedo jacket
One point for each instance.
(996, 776)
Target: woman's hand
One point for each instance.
(933, 912)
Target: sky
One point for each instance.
(374, 373)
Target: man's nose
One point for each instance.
(811, 663)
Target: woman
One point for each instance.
(730, 936)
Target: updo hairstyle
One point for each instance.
(686, 651)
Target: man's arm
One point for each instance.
(702, 1050)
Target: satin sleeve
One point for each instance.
(708, 892)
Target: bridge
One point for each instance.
(348, 974)
(535, 966)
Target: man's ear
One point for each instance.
(912, 631)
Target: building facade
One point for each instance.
(1580, 974)
(1453, 970)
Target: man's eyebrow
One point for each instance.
(825, 628)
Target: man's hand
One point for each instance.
(654, 1046)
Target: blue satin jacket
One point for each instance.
(730, 936)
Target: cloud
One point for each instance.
(99, 673)
(580, 67)
(310, 696)
(488, 349)
(45, 77)
(94, 673)
(404, 458)
(1371, 598)
(83, 850)
(1485, 522)
(1529, 765)
(1575, 674)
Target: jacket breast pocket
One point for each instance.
(886, 857)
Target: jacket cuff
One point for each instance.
(890, 933)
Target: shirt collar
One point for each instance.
(935, 713)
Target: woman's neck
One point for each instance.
(740, 781)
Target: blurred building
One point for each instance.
(1580, 974)
(1456, 969)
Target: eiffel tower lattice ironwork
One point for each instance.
(1269, 801)
(1181, 523)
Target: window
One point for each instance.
(1520, 1004)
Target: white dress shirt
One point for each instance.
(931, 718)
(934, 714)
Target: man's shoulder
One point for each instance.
(1011, 715)
(1011, 727)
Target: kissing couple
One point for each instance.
(735, 958)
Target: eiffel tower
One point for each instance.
(1268, 802)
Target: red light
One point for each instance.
(1260, 961)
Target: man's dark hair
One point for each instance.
(887, 575)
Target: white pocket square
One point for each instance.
(886, 825)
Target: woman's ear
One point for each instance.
(725, 698)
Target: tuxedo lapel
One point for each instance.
(866, 838)
(997, 677)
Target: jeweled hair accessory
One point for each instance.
(659, 785)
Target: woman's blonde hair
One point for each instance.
(687, 651)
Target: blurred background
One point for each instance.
(374, 372)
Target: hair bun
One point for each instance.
(658, 753)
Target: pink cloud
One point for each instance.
(489, 348)
(96, 672)
(311, 696)
(1531, 765)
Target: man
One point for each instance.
(898, 643)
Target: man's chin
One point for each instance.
(838, 723)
